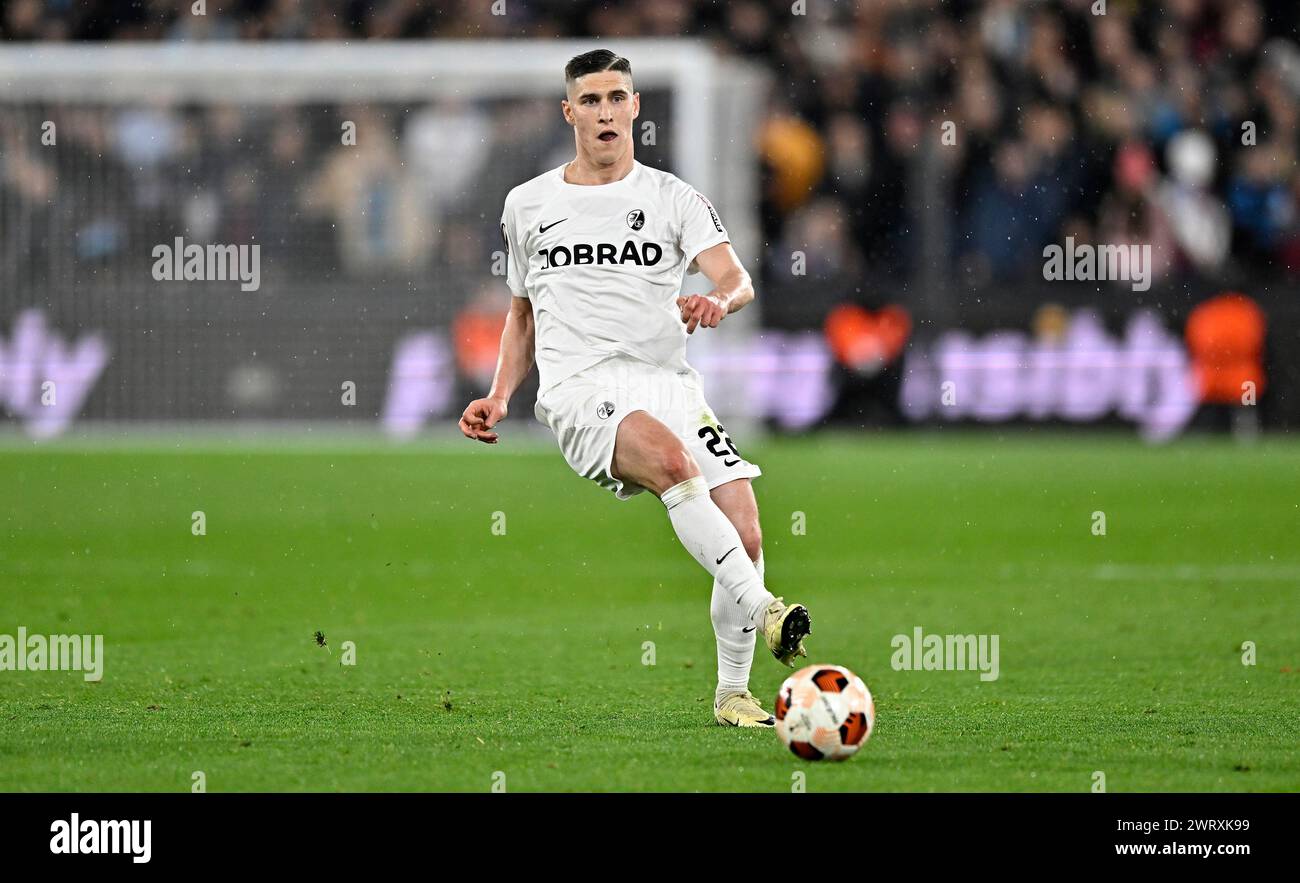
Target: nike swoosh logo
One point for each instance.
(750, 629)
(724, 557)
(730, 462)
(545, 227)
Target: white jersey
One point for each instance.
(603, 265)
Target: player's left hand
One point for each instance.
(704, 310)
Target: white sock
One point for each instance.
(710, 536)
(735, 646)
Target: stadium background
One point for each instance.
(196, 488)
(888, 259)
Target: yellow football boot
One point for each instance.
(784, 628)
(742, 710)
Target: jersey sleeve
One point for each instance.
(700, 226)
(516, 261)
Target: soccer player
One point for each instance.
(596, 253)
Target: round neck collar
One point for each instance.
(636, 170)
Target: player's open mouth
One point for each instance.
(607, 136)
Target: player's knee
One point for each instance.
(677, 465)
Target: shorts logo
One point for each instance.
(636, 219)
(605, 410)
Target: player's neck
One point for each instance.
(584, 171)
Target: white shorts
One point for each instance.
(584, 412)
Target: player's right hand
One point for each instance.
(481, 416)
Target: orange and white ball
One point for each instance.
(824, 712)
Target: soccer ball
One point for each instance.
(824, 712)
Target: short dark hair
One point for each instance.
(593, 62)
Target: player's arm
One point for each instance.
(732, 288)
(514, 361)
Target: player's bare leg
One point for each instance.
(649, 454)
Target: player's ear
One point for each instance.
(566, 110)
(636, 105)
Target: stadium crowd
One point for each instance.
(1173, 123)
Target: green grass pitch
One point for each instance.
(523, 653)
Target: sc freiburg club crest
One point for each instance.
(636, 219)
(605, 410)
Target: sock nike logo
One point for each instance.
(544, 227)
(748, 630)
(724, 557)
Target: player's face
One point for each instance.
(601, 108)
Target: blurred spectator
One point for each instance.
(1225, 336)
(1226, 340)
(443, 147)
(1200, 222)
(369, 195)
(865, 342)
(1130, 214)
(867, 347)
(815, 266)
(476, 335)
(1262, 201)
(794, 153)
